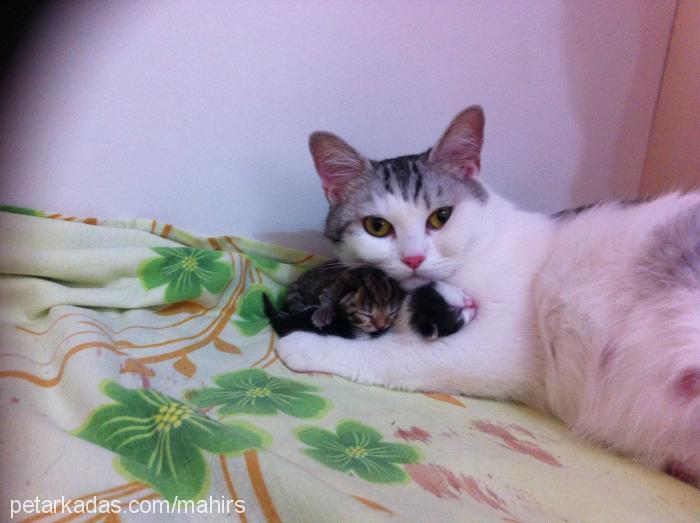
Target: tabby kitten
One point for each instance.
(339, 300)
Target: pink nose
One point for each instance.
(413, 261)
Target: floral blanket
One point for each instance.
(138, 382)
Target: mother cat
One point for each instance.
(592, 315)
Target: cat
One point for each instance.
(352, 301)
(591, 316)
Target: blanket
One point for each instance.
(139, 382)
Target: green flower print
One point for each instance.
(254, 391)
(357, 447)
(250, 310)
(160, 440)
(184, 270)
(263, 263)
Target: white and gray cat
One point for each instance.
(591, 315)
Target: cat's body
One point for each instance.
(619, 318)
(592, 316)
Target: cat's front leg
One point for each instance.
(477, 361)
(398, 361)
(308, 352)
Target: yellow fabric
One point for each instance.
(77, 313)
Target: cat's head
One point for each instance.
(412, 216)
(374, 305)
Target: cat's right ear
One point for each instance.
(337, 164)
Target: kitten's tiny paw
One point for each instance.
(322, 317)
(297, 351)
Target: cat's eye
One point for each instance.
(439, 217)
(377, 226)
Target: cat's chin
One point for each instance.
(413, 282)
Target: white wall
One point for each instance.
(197, 113)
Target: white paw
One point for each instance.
(452, 295)
(300, 351)
(456, 297)
(469, 311)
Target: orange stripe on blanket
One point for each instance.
(166, 230)
(273, 360)
(252, 463)
(110, 517)
(270, 346)
(233, 244)
(214, 244)
(51, 382)
(41, 333)
(106, 517)
(229, 484)
(170, 309)
(226, 314)
(373, 505)
(447, 398)
(110, 493)
(302, 260)
(55, 353)
(217, 325)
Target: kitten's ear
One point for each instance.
(459, 149)
(336, 163)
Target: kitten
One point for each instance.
(591, 316)
(335, 299)
(338, 300)
(437, 310)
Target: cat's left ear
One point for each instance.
(337, 164)
(459, 149)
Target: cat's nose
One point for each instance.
(380, 323)
(413, 261)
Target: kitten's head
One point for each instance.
(374, 305)
(412, 216)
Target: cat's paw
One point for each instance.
(469, 311)
(439, 310)
(322, 317)
(299, 351)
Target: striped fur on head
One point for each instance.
(404, 191)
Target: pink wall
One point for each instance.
(197, 112)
